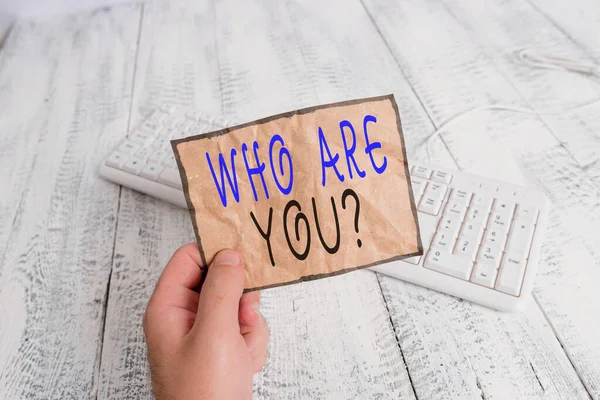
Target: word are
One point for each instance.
(349, 150)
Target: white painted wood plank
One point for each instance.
(176, 64)
(19, 138)
(577, 19)
(149, 230)
(65, 101)
(503, 29)
(451, 74)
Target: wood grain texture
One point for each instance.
(501, 35)
(452, 74)
(71, 305)
(65, 100)
(330, 339)
(496, 30)
(577, 19)
(176, 64)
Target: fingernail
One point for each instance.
(227, 257)
(256, 307)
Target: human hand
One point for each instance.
(204, 343)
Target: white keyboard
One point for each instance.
(481, 238)
(144, 161)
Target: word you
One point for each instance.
(301, 217)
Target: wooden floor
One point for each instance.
(79, 256)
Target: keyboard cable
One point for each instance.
(537, 60)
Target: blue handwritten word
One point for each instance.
(224, 171)
(329, 161)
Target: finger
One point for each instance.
(221, 291)
(184, 269)
(256, 340)
(249, 308)
(172, 307)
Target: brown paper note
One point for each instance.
(303, 195)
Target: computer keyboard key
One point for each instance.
(496, 234)
(151, 171)
(432, 198)
(466, 247)
(141, 137)
(473, 230)
(444, 241)
(427, 228)
(115, 160)
(504, 208)
(520, 236)
(422, 172)
(171, 177)
(448, 263)
(500, 218)
(170, 162)
(158, 156)
(490, 253)
(510, 276)
(413, 260)
(149, 126)
(483, 202)
(441, 176)
(484, 274)
(418, 185)
(461, 195)
(526, 212)
(476, 215)
(143, 153)
(458, 208)
(161, 143)
(133, 165)
(128, 147)
(450, 223)
(169, 132)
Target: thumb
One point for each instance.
(221, 291)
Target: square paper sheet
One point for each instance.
(305, 194)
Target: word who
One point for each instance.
(224, 170)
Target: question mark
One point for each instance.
(350, 192)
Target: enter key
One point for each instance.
(512, 270)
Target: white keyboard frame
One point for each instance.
(143, 185)
(404, 270)
(439, 281)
